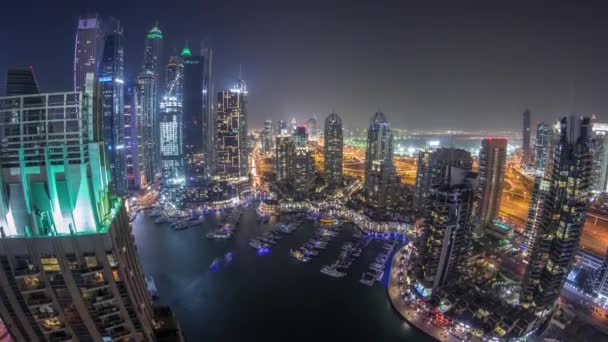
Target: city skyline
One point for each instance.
(155, 167)
(440, 48)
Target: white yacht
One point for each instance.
(332, 272)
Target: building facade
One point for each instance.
(562, 216)
(543, 140)
(70, 270)
(333, 149)
(134, 143)
(192, 114)
(600, 156)
(21, 82)
(171, 148)
(379, 146)
(267, 137)
(448, 228)
(525, 148)
(87, 50)
(432, 169)
(112, 75)
(492, 164)
(285, 149)
(231, 133)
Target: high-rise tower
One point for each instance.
(525, 148)
(561, 215)
(432, 170)
(231, 132)
(88, 48)
(267, 137)
(448, 227)
(150, 85)
(492, 163)
(21, 82)
(380, 172)
(285, 149)
(600, 156)
(70, 269)
(333, 149)
(193, 115)
(111, 75)
(543, 140)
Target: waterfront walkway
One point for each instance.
(408, 312)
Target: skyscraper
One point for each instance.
(88, 49)
(543, 140)
(231, 132)
(21, 82)
(311, 127)
(111, 75)
(153, 53)
(171, 149)
(282, 127)
(380, 172)
(431, 172)
(192, 116)
(448, 227)
(525, 149)
(171, 137)
(300, 137)
(134, 143)
(303, 174)
(539, 196)
(285, 150)
(70, 270)
(562, 215)
(267, 137)
(150, 86)
(492, 164)
(208, 109)
(333, 149)
(600, 156)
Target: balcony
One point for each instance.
(36, 301)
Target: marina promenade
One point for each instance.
(407, 311)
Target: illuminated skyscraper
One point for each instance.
(70, 269)
(380, 172)
(208, 109)
(447, 228)
(526, 138)
(88, 49)
(311, 128)
(150, 86)
(171, 137)
(600, 156)
(543, 140)
(303, 173)
(21, 82)
(134, 143)
(282, 127)
(171, 149)
(192, 109)
(300, 137)
(333, 149)
(267, 137)
(231, 132)
(285, 150)
(432, 171)
(539, 196)
(111, 75)
(492, 164)
(561, 215)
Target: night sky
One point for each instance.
(472, 67)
